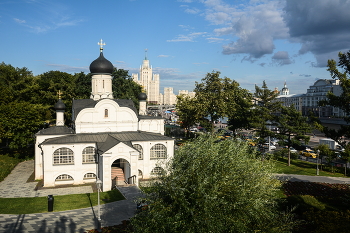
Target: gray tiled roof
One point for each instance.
(56, 130)
(105, 141)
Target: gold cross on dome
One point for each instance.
(101, 44)
(59, 94)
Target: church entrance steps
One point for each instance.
(117, 174)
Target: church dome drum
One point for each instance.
(101, 66)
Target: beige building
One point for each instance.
(149, 81)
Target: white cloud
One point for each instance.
(19, 20)
(163, 55)
(192, 11)
(187, 38)
(214, 39)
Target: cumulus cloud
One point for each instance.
(282, 58)
(321, 26)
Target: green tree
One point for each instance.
(50, 84)
(214, 187)
(124, 87)
(264, 111)
(187, 111)
(19, 121)
(292, 127)
(20, 113)
(217, 98)
(82, 83)
(341, 101)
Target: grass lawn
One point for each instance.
(30, 205)
(300, 167)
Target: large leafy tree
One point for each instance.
(187, 111)
(53, 82)
(20, 113)
(124, 87)
(82, 83)
(292, 126)
(215, 98)
(214, 187)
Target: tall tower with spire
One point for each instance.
(148, 80)
(285, 90)
(101, 82)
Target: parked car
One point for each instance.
(272, 147)
(308, 153)
(292, 150)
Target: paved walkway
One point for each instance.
(71, 221)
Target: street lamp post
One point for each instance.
(318, 154)
(98, 185)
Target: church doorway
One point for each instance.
(120, 172)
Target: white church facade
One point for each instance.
(110, 140)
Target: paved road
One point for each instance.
(71, 221)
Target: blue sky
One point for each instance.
(248, 41)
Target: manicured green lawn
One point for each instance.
(300, 167)
(61, 203)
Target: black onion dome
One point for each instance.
(60, 105)
(101, 66)
(142, 96)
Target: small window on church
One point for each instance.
(89, 155)
(106, 112)
(139, 148)
(103, 83)
(63, 156)
(64, 177)
(158, 151)
(89, 176)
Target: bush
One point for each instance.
(214, 187)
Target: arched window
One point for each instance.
(106, 112)
(140, 149)
(63, 156)
(140, 173)
(158, 151)
(89, 155)
(89, 176)
(64, 177)
(157, 170)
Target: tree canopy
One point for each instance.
(292, 127)
(215, 98)
(214, 187)
(263, 113)
(342, 101)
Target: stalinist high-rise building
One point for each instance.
(148, 80)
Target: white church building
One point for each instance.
(110, 140)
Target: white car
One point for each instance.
(292, 150)
(272, 147)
